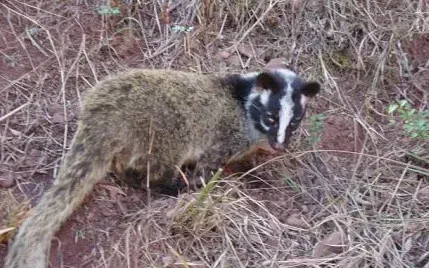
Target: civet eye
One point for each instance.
(271, 120)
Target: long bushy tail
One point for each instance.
(82, 168)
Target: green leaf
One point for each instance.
(392, 108)
(108, 10)
(180, 28)
(291, 183)
(402, 103)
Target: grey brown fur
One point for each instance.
(118, 120)
(165, 118)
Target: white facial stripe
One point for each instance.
(288, 75)
(265, 97)
(286, 114)
(249, 75)
(264, 126)
(252, 96)
(304, 100)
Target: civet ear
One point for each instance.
(310, 89)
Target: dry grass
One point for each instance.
(368, 204)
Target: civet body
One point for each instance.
(158, 121)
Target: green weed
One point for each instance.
(291, 183)
(11, 60)
(108, 10)
(181, 29)
(316, 128)
(415, 123)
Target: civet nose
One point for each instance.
(279, 146)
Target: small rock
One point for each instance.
(248, 51)
(57, 112)
(296, 4)
(297, 221)
(277, 63)
(7, 182)
(234, 61)
(223, 54)
(167, 261)
(15, 132)
(423, 194)
(33, 157)
(335, 242)
(113, 191)
(58, 118)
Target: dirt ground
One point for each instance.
(357, 174)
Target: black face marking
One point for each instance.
(271, 115)
(271, 81)
(298, 114)
(256, 110)
(240, 86)
(297, 83)
(298, 109)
